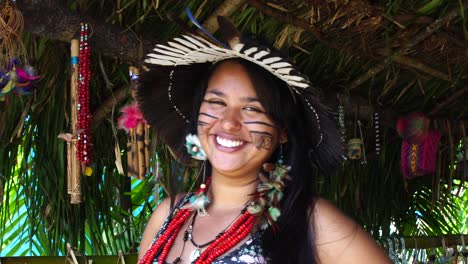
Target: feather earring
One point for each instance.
(199, 201)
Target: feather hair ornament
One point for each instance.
(130, 117)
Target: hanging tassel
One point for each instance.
(199, 201)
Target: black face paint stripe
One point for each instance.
(208, 115)
(261, 133)
(258, 122)
(201, 123)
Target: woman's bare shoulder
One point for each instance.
(157, 219)
(339, 239)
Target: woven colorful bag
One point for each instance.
(420, 158)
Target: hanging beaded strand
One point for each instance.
(377, 132)
(342, 127)
(84, 150)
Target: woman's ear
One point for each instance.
(283, 136)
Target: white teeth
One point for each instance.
(228, 143)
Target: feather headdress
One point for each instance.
(166, 90)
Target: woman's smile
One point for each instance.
(229, 145)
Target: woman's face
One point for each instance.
(234, 129)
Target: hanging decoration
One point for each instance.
(377, 133)
(356, 149)
(73, 164)
(83, 145)
(12, 25)
(138, 143)
(16, 80)
(420, 145)
(341, 125)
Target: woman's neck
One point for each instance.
(231, 193)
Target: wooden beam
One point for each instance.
(60, 23)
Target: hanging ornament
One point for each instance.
(420, 145)
(354, 148)
(73, 164)
(16, 80)
(341, 125)
(12, 25)
(138, 143)
(84, 147)
(377, 132)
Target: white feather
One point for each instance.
(271, 60)
(238, 47)
(177, 45)
(171, 49)
(261, 54)
(284, 70)
(280, 65)
(250, 51)
(294, 78)
(186, 43)
(195, 41)
(298, 84)
(159, 62)
(173, 54)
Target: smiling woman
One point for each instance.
(265, 136)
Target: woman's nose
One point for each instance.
(230, 120)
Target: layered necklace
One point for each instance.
(227, 239)
(264, 205)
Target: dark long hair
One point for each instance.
(293, 242)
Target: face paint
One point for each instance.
(208, 115)
(259, 123)
(203, 123)
(262, 140)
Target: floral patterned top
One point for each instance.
(248, 253)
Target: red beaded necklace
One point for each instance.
(237, 232)
(83, 145)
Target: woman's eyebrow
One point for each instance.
(216, 92)
(248, 99)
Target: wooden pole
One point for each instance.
(147, 149)
(74, 184)
(140, 136)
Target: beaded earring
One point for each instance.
(199, 201)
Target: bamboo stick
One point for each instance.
(132, 156)
(73, 178)
(140, 143)
(147, 149)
